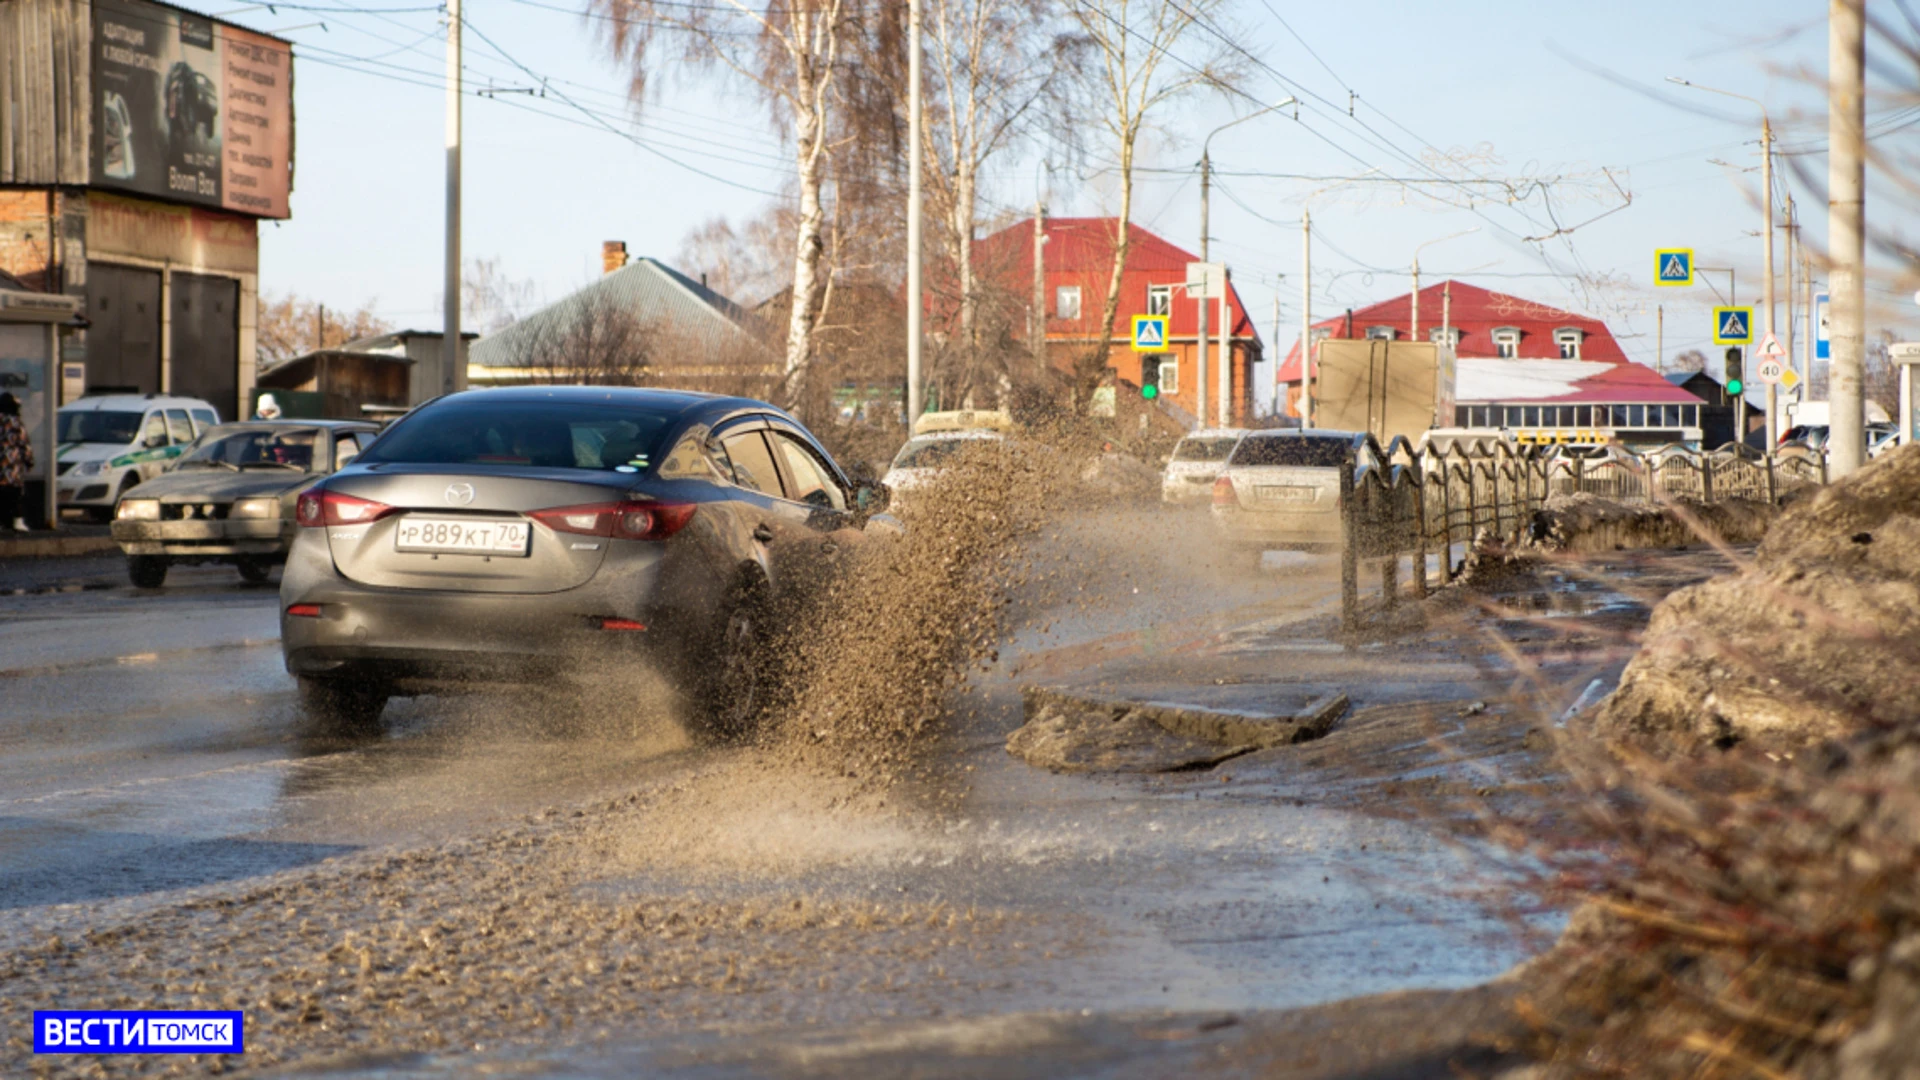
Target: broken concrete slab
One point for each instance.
(1074, 731)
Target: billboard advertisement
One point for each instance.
(188, 109)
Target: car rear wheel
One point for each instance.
(338, 707)
(147, 571)
(737, 675)
(254, 569)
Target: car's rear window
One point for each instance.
(1204, 449)
(541, 434)
(1308, 451)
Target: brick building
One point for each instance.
(140, 144)
(1077, 263)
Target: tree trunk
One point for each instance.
(1094, 363)
(810, 149)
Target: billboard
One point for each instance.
(188, 109)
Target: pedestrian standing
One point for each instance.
(16, 460)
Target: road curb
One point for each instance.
(43, 547)
(1257, 729)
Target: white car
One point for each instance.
(1281, 489)
(1196, 462)
(110, 442)
(925, 456)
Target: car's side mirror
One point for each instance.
(870, 496)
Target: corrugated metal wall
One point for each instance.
(45, 65)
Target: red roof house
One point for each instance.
(1514, 353)
(1077, 256)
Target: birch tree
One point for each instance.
(991, 66)
(792, 54)
(1128, 81)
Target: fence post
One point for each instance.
(1349, 555)
(1579, 475)
(1706, 477)
(1390, 578)
(1773, 492)
(1420, 521)
(1446, 522)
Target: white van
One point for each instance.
(111, 442)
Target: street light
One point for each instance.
(1206, 187)
(1414, 328)
(1766, 200)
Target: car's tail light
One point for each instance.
(620, 520)
(610, 623)
(1223, 492)
(318, 508)
(304, 611)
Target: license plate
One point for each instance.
(465, 536)
(1284, 493)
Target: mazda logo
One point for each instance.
(459, 494)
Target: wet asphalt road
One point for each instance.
(150, 741)
(150, 749)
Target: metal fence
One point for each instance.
(1403, 501)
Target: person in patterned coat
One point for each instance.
(16, 460)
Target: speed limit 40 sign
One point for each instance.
(1769, 371)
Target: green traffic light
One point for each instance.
(1734, 386)
(1149, 391)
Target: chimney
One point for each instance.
(613, 255)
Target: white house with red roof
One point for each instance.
(1077, 263)
(1523, 367)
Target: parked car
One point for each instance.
(230, 497)
(110, 442)
(1196, 463)
(500, 535)
(924, 457)
(1281, 489)
(1881, 437)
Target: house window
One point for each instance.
(1506, 343)
(1448, 335)
(1159, 299)
(1066, 302)
(1380, 333)
(1568, 339)
(1169, 376)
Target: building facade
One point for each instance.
(1076, 261)
(140, 145)
(1521, 368)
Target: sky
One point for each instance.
(1512, 89)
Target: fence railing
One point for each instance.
(1401, 500)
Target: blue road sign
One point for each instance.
(1673, 266)
(1733, 326)
(1822, 340)
(1149, 333)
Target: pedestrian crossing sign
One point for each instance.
(1149, 333)
(1673, 266)
(1733, 326)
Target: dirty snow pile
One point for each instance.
(1585, 522)
(1820, 638)
(1753, 910)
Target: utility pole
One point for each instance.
(1037, 319)
(1201, 341)
(914, 124)
(1306, 318)
(1225, 389)
(1414, 329)
(1813, 332)
(1766, 199)
(320, 328)
(1660, 338)
(1846, 234)
(453, 375)
(1792, 293)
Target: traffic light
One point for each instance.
(1150, 377)
(1736, 372)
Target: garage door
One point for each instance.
(206, 340)
(123, 342)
